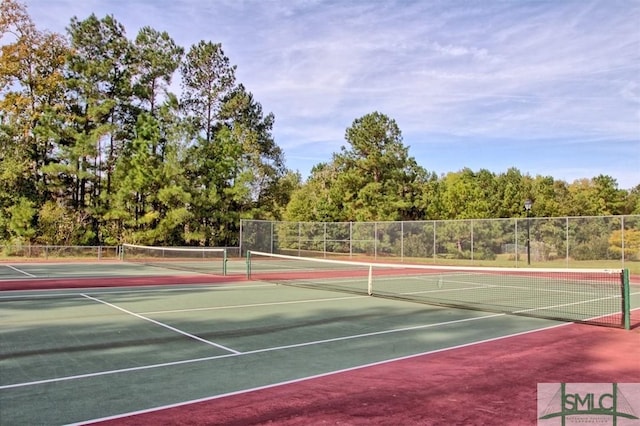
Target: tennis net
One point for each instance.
(196, 259)
(593, 296)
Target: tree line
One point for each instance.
(96, 149)
(374, 178)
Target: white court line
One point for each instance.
(253, 305)
(570, 304)
(540, 308)
(211, 358)
(485, 285)
(36, 294)
(276, 348)
(21, 271)
(316, 376)
(449, 279)
(521, 311)
(184, 333)
(476, 286)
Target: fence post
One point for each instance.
(350, 240)
(472, 258)
(434, 241)
(240, 237)
(622, 239)
(271, 237)
(516, 241)
(402, 241)
(375, 240)
(566, 256)
(324, 242)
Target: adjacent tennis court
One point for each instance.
(92, 342)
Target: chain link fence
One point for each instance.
(602, 241)
(47, 252)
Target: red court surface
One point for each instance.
(492, 383)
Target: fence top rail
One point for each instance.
(635, 216)
(23, 246)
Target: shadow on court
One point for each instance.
(127, 351)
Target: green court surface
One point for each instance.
(76, 355)
(28, 271)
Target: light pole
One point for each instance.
(527, 207)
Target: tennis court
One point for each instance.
(125, 338)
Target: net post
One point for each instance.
(626, 300)
(370, 281)
(248, 256)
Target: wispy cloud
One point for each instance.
(466, 72)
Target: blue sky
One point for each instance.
(549, 87)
